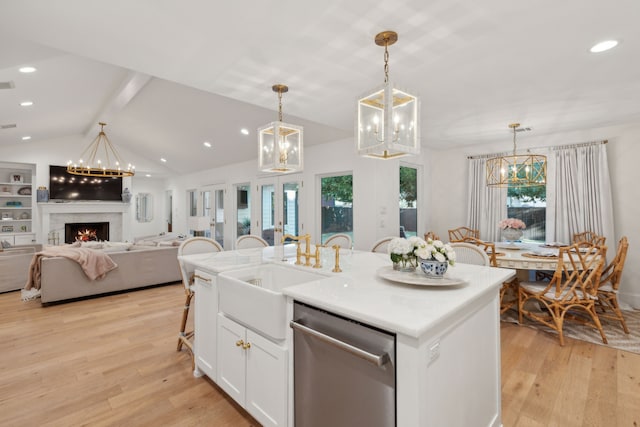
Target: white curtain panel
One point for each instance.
(487, 206)
(579, 193)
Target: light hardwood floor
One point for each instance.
(111, 361)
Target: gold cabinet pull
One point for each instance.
(240, 343)
(197, 276)
(246, 346)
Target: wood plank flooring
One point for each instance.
(111, 361)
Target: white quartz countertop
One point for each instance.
(360, 294)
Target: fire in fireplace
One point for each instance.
(86, 231)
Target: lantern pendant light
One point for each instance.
(280, 144)
(516, 170)
(387, 123)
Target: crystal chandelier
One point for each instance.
(516, 170)
(280, 144)
(100, 158)
(387, 124)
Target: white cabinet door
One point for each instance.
(266, 396)
(205, 319)
(231, 358)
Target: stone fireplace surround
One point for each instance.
(55, 215)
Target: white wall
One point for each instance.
(376, 211)
(449, 174)
(155, 187)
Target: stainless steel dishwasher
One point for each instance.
(344, 371)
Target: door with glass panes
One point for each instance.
(279, 207)
(213, 208)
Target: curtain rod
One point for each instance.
(552, 147)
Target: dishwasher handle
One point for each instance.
(376, 359)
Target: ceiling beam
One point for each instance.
(131, 85)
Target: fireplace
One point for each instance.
(86, 231)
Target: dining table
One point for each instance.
(526, 256)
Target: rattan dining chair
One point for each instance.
(460, 233)
(609, 284)
(508, 290)
(194, 245)
(589, 236)
(573, 287)
(250, 241)
(431, 235)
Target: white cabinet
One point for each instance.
(16, 203)
(205, 318)
(253, 370)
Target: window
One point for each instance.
(243, 209)
(529, 204)
(336, 194)
(193, 202)
(408, 201)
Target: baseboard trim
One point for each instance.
(629, 299)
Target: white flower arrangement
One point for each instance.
(405, 251)
(436, 250)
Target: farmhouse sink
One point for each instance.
(253, 295)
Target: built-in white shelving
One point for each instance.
(16, 203)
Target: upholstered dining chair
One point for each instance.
(459, 234)
(468, 253)
(250, 241)
(589, 236)
(194, 245)
(573, 287)
(609, 284)
(381, 245)
(344, 240)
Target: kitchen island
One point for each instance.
(447, 338)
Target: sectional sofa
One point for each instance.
(138, 267)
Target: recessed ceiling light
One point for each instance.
(244, 131)
(163, 160)
(602, 46)
(207, 144)
(148, 175)
(27, 69)
(26, 103)
(26, 138)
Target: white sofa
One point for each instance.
(140, 266)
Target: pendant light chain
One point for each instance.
(514, 126)
(280, 105)
(386, 62)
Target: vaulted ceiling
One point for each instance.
(169, 75)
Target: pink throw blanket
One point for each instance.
(95, 264)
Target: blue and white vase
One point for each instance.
(433, 268)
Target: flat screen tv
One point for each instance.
(66, 186)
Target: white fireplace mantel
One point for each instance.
(117, 213)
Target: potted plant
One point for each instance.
(435, 257)
(403, 253)
(512, 229)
